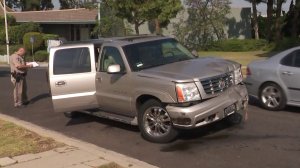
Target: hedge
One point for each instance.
(38, 41)
(238, 45)
(41, 56)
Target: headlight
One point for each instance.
(238, 76)
(187, 92)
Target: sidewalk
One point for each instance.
(76, 153)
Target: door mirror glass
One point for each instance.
(116, 68)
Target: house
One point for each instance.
(71, 24)
(77, 24)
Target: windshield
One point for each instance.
(155, 53)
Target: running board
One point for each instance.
(111, 116)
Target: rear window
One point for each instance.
(72, 60)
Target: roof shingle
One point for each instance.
(80, 15)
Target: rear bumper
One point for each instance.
(210, 110)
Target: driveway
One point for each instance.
(267, 139)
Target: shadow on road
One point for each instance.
(39, 97)
(4, 73)
(197, 136)
(254, 102)
(81, 118)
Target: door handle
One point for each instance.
(60, 83)
(287, 73)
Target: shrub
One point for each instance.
(16, 33)
(41, 56)
(12, 49)
(11, 20)
(38, 41)
(286, 43)
(238, 45)
(47, 37)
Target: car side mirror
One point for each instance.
(115, 68)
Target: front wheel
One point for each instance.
(272, 97)
(155, 123)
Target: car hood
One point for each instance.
(190, 70)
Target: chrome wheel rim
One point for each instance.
(271, 96)
(157, 121)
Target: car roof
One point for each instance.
(122, 41)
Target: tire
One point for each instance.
(234, 119)
(155, 123)
(272, 97)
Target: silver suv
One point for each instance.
(150, 81)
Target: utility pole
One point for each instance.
(6, 32)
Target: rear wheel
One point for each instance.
(155, 123)
(272, 97)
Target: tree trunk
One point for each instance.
(255, 23)
(136, 27)
(295, 19)
(277, 20)
(270, 4)
(157, 27)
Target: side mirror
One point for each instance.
(115, 68)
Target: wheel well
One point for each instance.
(268, 82)
(142, 99)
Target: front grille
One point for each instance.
(217, 84)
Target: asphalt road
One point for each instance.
(267, 139)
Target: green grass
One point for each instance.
(15, 140)
(243, 58)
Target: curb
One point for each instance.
(84, 146)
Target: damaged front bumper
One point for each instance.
(233, 100)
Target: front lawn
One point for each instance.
(15, 140)
(243, 58)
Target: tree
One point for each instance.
(292, 20)
(205, 23)
(110, 24)
(296, 19)
(136, 12)
(30, 5)
(46, 5)
(270, 4)
(11, 3)
(70, 4)
(254, 17)
(166, 10)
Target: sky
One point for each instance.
(235, 3)
(261, 7)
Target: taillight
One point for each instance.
(248, 71)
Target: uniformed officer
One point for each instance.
(18, 70)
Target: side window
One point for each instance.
(288, 60)
(72, 60)
(111, 56)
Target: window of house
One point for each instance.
(72, 60)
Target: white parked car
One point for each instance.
(276, 80)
